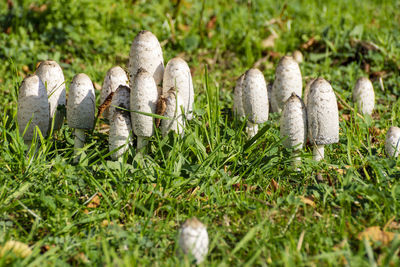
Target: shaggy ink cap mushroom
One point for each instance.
(173, 110)
(364, 96)
(33, 107)
(237, 97)
(392, 142)
(193, 239)
(307, 90)
(322, 117)
(255, 100)
(52, 76)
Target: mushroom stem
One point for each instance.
(318, 152)
(79, 143)
(251, 129)
(141, 142)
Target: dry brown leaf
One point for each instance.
(375, 234)
(274, 185)
(307, 201)
(97, 86)
(25, 68)
(269, 41)
(106, 223)
(211, 23)
(18, 248)
(309, 43)
(95, 202)
(106, 104)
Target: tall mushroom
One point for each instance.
(115, 77)
(193, 239)
(322, 116)
(255, 100)
(177, 75)
(80, 109)
(120, 126)
(392, 142)
(52, 76)
(287, 80)
(144, 96)
(364, 96)
(33, 106)
(307, 90)
(173, 110)
(294, 125)
(237, 97)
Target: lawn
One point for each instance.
(257, 209)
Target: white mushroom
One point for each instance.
(173, 110)
(255, 100)
(144, 96)
(237, 98)
(322, 116)
(364, 96)
(115, 77)
(193, 239)
(52, 76)
(80, 109)
(392, 142)
(287, 81)
(294, 125)
(146, 53)
(307, 90)
(120, 126)
(33, 107)
(298, 56)
(177, 75)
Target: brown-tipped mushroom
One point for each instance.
(364, 96)
(392, 142)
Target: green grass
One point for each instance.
(213, 172)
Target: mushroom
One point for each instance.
(146, 53)
(80, 109)
(144, 96)
(298, 56)
(392, 142)
(255, 100)
(120, 126)
(322, 117)
(287, 80)
(294, 125)
(33, 108)
(177, 75)
(115, 77)
(52, 76)
(307, 90)
(364, 96)
(237, 97)
(173, 110)
(193, 239)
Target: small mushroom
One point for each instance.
(177, 75)
(307, 90)
(115, 77)
(173, 110)
(33, 108)
(80, 109)
(120, 126)
(322, 117)
(146, 53)
(237, 97)
(364, 96)
(287, 80)
(298, 56)
(193, 239)
(52, 76)
(255, 100)
(294, 125)
(144, 96)
(392, 142)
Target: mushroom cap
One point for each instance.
(392, 142)
(294, 122)
(33, 104)
(146, 53)
(255, 96)
(81, 103)
(120, 125)
(52, 77)
(115, 77)
(298, 56)
(144, 97)
(173, 110)
(193, 239)
(307, 90)
(364, 96)
(237, 97)
(177, 74)
(322, 113)
(287, 80)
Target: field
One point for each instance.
(257, 210)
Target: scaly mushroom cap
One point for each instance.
(364, 96)
(173, 110)
(255, 96)
(392, 142)
(322, 113)
(115, 77)
(287, 80)
(193, 239)
(120, 126)
(237, 97)
(144, 96)
(146, 53)
(81, 103)
(33, 104)
(307, 90)
(52, 76)
(294, 122)
(177, 75)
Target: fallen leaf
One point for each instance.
(95, 202)
(269, 41)
(211, 23)
(18, 248)
(307, 201)
(309, 43)
(375, 234)
(97, 86)
(274, 185)
(106, 104)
